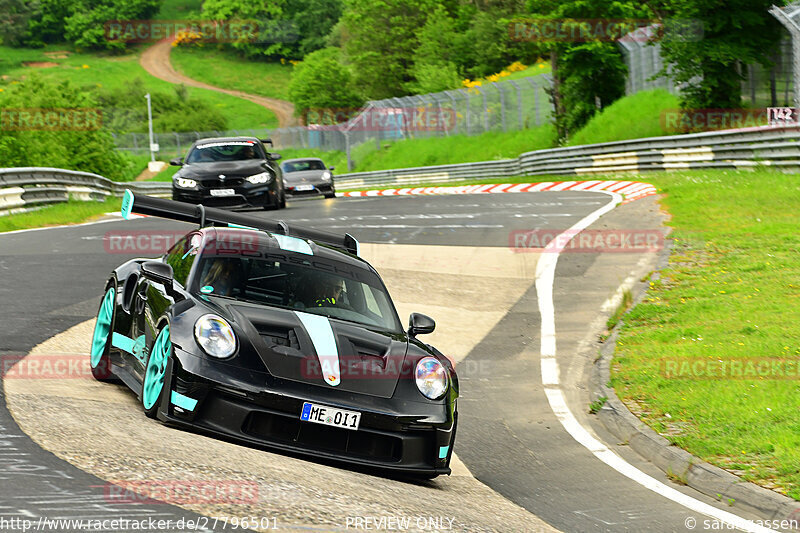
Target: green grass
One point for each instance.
(435, 150)
(114, 72)
(730, 292)
(225, 69)
(72, 212)
(631, 117)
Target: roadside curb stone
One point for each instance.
(678, 464)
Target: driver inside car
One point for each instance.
(330, 293)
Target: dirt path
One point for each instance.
(155, 60)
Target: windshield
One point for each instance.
(339, 291)
(224, 151)
(306, 164)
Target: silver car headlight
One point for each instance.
(215, 336)
(261, 177)
(431, 377)
(326, 175)
(186, 183)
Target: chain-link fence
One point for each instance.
(789, 17)
(501, 106)
(643, 59)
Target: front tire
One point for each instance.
(282, 204)
(155, 369)
(100, 361)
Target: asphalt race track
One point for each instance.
(447, 256)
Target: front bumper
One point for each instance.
(318, 189)
(409, 437)
(244, 196)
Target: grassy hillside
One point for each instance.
(631, 117)
(225, 69)
(83, 69)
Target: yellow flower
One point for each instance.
(283, 61)
(84, 66)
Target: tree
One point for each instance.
(734, 33)
(14, 17)
(273, 38)
(589, 71)
(320, 81)
(379, 40)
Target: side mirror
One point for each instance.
(419, 324)
(274, 157)
(331, 168)
(177, 162)
(158, 272)
(266, 141)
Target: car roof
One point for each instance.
(301, 159)
(263, 239)
(224, 140)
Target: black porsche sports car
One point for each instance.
(276, 336)
(229, 172)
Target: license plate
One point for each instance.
(222, 192)
(304, 188)
(330, 416)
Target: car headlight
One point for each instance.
(261, 177)
(215, 336)
(186, 183)
(431, 377)
(326, 175)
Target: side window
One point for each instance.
(181, 256)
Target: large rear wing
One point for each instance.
(210, 216)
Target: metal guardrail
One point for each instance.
(770, 146)
(25, 188)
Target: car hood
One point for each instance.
(247, 167)
(322, 351)
(303, 176)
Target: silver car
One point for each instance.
(307, 176)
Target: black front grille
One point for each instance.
(292, 430)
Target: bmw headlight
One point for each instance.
(215, 336)
(431, 377)
(326, 175)
(186, 183)
(261, 177)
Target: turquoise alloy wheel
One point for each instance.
(102, 328)
(156, 367)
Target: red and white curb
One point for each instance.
(630, 190)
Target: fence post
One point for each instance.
(790, 22)
(502, 106)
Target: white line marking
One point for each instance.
(545, 276)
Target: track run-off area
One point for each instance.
(520, 320)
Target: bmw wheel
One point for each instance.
(153, 384)
(101, 339)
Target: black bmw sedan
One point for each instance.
(229, 172)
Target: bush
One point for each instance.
(90, 150)
(125, 110)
